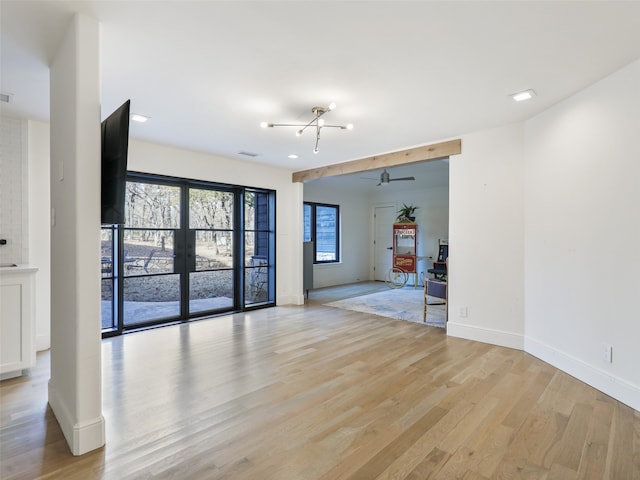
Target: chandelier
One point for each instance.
(316, 122)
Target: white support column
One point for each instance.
(75, 386)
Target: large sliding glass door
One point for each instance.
(211, 245)
(188, 249)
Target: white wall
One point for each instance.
(486, 228)
(152, 158)
(355, 218)
(39, 207)
(582, 234)
(13, 190)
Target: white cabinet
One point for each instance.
(17, 330)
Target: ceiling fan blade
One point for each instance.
(401, 179)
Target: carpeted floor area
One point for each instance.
(402, 304)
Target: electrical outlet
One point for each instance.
(607, 353)
(463, 312)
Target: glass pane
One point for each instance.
(106, 252)
(148, 252)
(326, 233)
(214, 249)
(256, 247)
(148, 205)
(249, 210)
(210, 290)
(210, 209)
(307, 223)
(106, 316)
(151, 298)
(257, 210)
(256, 283)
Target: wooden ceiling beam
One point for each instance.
(412, 155)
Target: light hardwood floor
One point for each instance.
(317, 393)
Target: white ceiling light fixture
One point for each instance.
(293, 156)
(316, 122)
(136, 117)
(525, 95)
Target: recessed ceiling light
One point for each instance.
(293, 156)
(136, 117)
(525, 95)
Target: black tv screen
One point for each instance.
(115, 147)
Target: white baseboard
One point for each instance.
(613, 386)
(81, 437)
(290, 300)
(486, 335)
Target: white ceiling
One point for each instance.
(404, 73)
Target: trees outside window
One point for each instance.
(188, 249)
(322, 226)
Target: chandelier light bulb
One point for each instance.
(298, 133)
(331, 106)
(350, 126)
(321, 122)
(315, 150)
(264, 124)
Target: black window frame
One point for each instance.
(313, 228)
(113, 268)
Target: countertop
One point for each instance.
(20, 268)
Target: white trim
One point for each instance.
(612, 385)
(290, 300)
(486, 335)
(81, 437)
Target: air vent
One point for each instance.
(248, 154)
(6, 97)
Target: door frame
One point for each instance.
(374, 247)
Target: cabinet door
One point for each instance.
(10, 327)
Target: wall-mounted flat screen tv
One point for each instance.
(115, 147)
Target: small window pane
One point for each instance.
(326, 233)
(106, 251)
(148, 299)
(148, 252)
(149, 205)
(322, 226)
(106, 314)
(210, 209)
(307, 223)
(210, 291)
(214, 250)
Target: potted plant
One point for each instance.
(405, 214)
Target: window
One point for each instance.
(322, 226)
(188, 249)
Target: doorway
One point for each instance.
(383, 218)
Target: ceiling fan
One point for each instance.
(385, 178)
